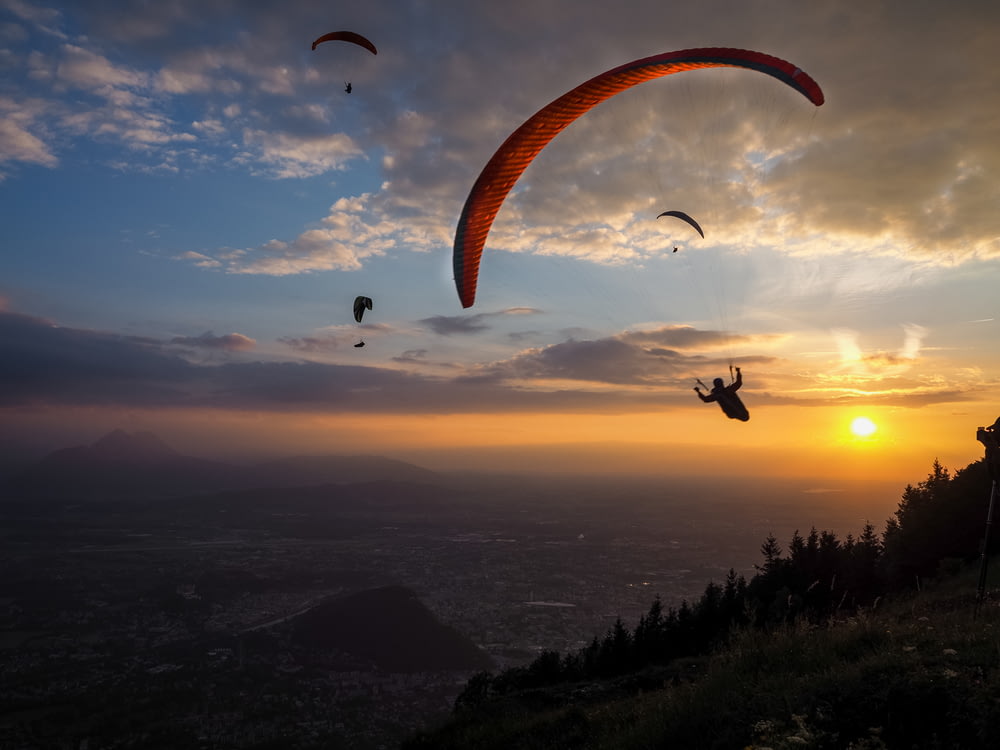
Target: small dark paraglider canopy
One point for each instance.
(360, 305)
(683, 217)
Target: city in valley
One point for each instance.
(137, 612)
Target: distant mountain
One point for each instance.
(141, 466)
(119, 465)
(391, 629)
(119, 445)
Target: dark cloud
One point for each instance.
(460, 325)
(689, 338)
(456, 325)
(634, 358)
(411, 355)
(314, 344)
(48, 365)
(45, 364)
(604, 360)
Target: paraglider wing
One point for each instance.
(346, 36)
(512, 158)
(360, 305)
(684, 217)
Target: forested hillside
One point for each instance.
(874, 640)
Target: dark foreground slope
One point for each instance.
(918, 672)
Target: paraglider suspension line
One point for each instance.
(983, 557)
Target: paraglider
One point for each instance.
(683, 217)
(346, 36)
(361, 303)
(349, 37)
(725, 396)
(515, 154)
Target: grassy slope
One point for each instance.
(919, 672)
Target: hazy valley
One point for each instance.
(153, 599)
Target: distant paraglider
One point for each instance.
(349, 37)
(346, 36)
(361, 303)
(515, 154)
(683, 217)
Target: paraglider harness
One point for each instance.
(727, 399)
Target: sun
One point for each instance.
(863, 427)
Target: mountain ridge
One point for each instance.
(143, 466)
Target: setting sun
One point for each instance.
(863, 427)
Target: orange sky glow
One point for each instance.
(781, 442)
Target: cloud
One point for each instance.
(463, 325)
(231, 342)
(287, 155)
(17, 142)
(688, 337)
(330, 342)
(65, 366)
(200, 259)
(32, 13)
(647, 358)
(341, 244)
(50, 365)
(877, 364)
(85, 69)
(903, 168)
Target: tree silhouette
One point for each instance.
(941, 517)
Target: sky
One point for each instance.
(190, 202)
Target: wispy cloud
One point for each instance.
(462, 325)
(230, 342)
(856, 360)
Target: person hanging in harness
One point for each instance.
(725, 396)
(348, 87)
(990, 438)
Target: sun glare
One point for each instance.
(863, 427)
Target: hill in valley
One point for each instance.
(390, 629)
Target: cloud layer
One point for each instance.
(901, 159)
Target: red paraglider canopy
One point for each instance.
(346, 36)
(512, 158)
